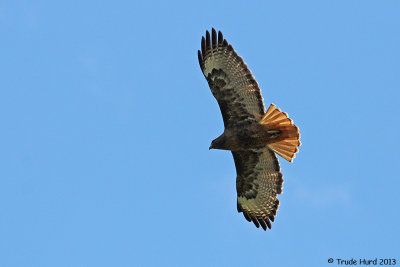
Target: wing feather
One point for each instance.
(258, 183)
(230, 81)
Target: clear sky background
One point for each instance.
(106, 120)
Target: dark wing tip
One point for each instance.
(263, 225)
(276, 205)
(212, 41)
(246, 215)
(239, 207)
(271, 217)
(268, 223)
(203, 46)
(214, 38)
(200, 59)
(255, 221)
(220, 37)
(208, 40)
(263, 220)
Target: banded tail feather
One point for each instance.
(289, 139)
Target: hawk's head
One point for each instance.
(219, 143)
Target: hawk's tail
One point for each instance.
(289, 137)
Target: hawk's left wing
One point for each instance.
(258, 183)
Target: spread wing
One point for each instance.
(230, 81)
(258, 183)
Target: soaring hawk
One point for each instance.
(252, 134)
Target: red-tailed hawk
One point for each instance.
(251, 133)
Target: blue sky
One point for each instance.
(106, 121)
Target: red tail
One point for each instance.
(289, 139)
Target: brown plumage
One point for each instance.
(251, 133)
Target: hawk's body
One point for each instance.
(251, 133)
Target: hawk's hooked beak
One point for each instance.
(211, 147)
